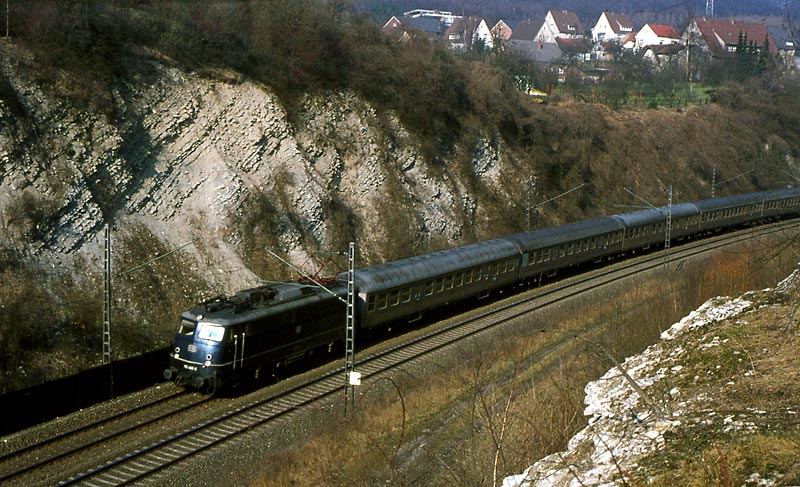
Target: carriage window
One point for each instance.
(545, 255)
(208, 331)
(448, 282)
(406, 295)
(187, 327)
(428, 288)
(371, 302)
(394, 297)
(459, 279)
(468, 276)
(381, 301)
(439, 284)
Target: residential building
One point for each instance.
(719, 37)
(447, 18)
(612, 27)
(656, 35)
(503, 29)
(467, 32)
(564, 24)
(534, 40)
(662, 54)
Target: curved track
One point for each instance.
(174, 449)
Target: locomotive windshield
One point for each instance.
(208, 331)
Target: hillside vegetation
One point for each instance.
(294, 125)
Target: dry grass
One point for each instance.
(750, 383)
(493, 407)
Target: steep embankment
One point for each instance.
(213, 164)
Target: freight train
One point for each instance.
(223, 341)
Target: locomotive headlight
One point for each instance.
(177, 352)
(207, 363)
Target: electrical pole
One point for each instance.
(352, 378)
(710, 9)
(107, 298)
(107, 311)
(713, 180)
(668, 233)
(528, 207)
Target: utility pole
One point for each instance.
(710, 9)
(107, 298)
(528, 207)
(352, 378)
(668, 233)
(107, 311)
(713, 180)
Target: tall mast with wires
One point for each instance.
(709, 9)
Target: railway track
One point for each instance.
(155, 459)
(20, 465)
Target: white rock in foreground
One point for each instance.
(622, 429)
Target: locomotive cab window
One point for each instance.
(187, 327)
(209, 331)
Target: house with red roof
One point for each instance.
(719, 37)
(656, 35)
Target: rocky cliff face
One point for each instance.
(182, 155)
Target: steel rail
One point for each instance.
(99, 424)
